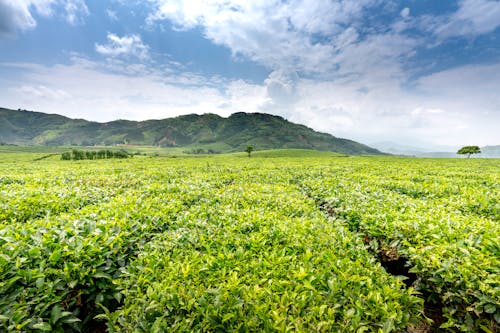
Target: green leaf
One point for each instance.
(72, 284)
(55, 256)
(490, 308)
(43, 326)
(40, 283)
(70, 320)
(56, 314)
(388, 326)
(102, 275)
(486, 329)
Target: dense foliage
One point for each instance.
(238, 244)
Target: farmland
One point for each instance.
(282, 241)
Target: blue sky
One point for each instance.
(423, 73)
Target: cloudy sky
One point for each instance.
(423, 73)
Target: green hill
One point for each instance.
(208, 132)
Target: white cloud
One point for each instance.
(323, 39)
(473, 18)
(324, 16)
(18, 14)
(281, 92)
(130, 45)
(42, 92)
(405, 12)
(471, 90)
(13, 16)
(453, 107)
(242, 96)
(104, 92)
(113, 16)
(273, 33)
(75, 11)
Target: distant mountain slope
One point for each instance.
(446, 152)
(490, 151)
(209, 131)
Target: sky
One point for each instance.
(420, 73)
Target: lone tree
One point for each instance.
(248, 150)
(469, 150)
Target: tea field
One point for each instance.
(279, 242)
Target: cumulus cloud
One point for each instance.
(18, 15)
(281, 92)
(13, 16)
(451, 107)
(128, 46)
(273, 33)
(325, 40)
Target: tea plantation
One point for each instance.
(281, 242)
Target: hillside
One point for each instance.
(208, 132)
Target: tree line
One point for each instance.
(76, 154)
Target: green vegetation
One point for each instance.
(249, 150)
(200, 151)
(469, 150)
(288, 240)
(76, 154)
(198, 134)
(443, 218)
(291, 153)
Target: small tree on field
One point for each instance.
(469, 150)
(249, 150)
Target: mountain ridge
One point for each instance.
(208, 132)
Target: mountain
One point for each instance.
(397, 148)
(419, 149)
(490, 151)
(208, 132)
